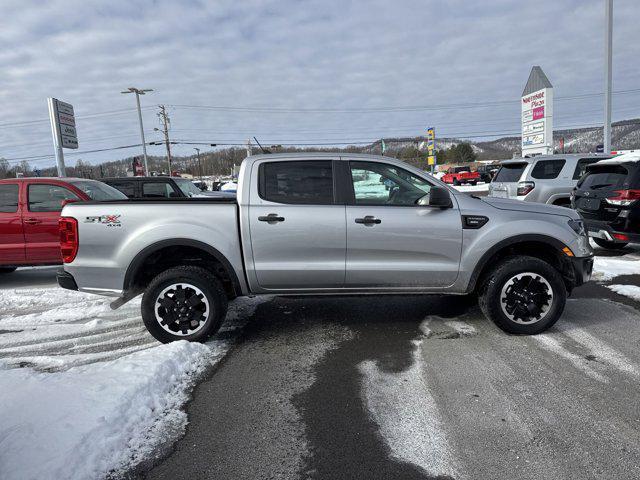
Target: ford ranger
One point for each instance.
(321, 223)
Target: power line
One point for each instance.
(27, 123)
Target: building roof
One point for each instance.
(537, 81)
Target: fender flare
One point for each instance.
(138, 260)
(527, 237)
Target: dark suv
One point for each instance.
(608, 198)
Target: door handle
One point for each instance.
(369, 220)
(271, 218)
(32, 221)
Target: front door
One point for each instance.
(298, 232)
(392, 242)
(40, 219)
(12, 250)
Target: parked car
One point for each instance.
(608, 198)
(29, 212)
(320, 223)
(158, 187)
(487, 172)
(460, 175)
(543, 179)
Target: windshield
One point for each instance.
(187, 187)
(510, 172)
(97, 190)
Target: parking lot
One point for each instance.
(349, 387)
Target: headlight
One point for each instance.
(578, 227)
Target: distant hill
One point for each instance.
(625, 136)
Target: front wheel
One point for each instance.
(601, 242)
(523, 295)
(7, 269)
(184, 303)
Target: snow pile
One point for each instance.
(631, 291)
(606, 268)
(88, 421)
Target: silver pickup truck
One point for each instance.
(325, 224)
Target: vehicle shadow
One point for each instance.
(29, 277)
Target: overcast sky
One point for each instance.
(277, 59)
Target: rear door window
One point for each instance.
(128, 188)
(8, 198)
(158, 190)
(48, 198)
(581, 166)
(510, 172)
(547, 169)
(308, 182)
(604, 178)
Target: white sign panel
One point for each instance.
(537, 122)
(63, 124)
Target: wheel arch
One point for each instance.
(534, 245)
(212, 259)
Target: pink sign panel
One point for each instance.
(538, 113)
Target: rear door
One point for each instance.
(298, 233)
(505, 183)
(40, 220)
(391, 241)
(12, 248)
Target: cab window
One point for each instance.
(308, 182)
(8, 198)
(383, 184)
(158, 190)
(43, 197)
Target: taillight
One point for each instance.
(623, 198)
(524, 188)
(68, 228)
(621, 236)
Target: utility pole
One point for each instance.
(164, 120)
(248, 147)
(199, 164)
(139, 92)
(608, 42)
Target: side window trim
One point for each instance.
(262, 181)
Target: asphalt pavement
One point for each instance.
(409, 387)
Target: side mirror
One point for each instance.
(439, 197)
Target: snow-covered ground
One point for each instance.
(480, 187)
(85, 391)
(607, 268)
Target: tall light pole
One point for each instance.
(139, 92)
(199, 164)
(608, 41)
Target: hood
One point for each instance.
(531, 207)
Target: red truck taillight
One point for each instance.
(68, 228)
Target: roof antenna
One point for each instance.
(263, 150)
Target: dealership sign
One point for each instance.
(63, 123)
(537, 115)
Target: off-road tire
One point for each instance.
(489, 294)
(601, 242)
(199, 277)
(7, 270)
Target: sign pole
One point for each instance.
(55, 132)
(608, 40)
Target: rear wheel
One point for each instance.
(601, 242)
(184, 303)
(7, 269)
(523, 295)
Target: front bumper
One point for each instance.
(582, 269)
(66, 280)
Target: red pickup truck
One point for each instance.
(460, 175)
(29, 212)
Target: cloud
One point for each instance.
(300, 54)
